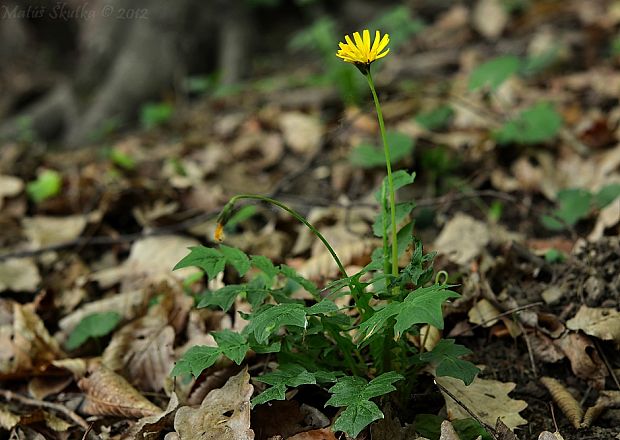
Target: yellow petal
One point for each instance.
(359, 44)
(375, 45)
(352, 47)
(384, 42)
(382, 54)
(366, 36)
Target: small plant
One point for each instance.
(358, 351)
(47, 185)
(155, 114)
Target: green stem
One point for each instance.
(388, 164)
(297, 216)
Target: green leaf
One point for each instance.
(47, 185)
(445, 357)
(265, 265)
(291, 274)
(277, 392)
(606, 195)
(92, 326)
(232, 345)
(269, 320)
(223, 298)
(368, 156)
(155, 114)
(422, 306)
(322, 308)
(208, 259)
(403, 209)
(574, 204)
(435, 119)
(470, 429)
(196, 360)
(355, 393)
(534, 125)
(236, 258)
(428, 425)
(122, 159)
(291, 375)
(494, 72)
(554, 256)
(400, 179)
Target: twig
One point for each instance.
(612, 373)
(11, 396)
(530, 352)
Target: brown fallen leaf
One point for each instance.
(10, 186)
(302, 133)
(142, 351)
(45, 231)
(108, 393)
(462, 239)
(584, 359)
(315, 434)
(488, 399)
(151, 426)
(603, 323)
(25, 343)
(19, 275)
(447, 431)
(546, 435)
(211, 421)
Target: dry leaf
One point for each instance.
(302, 132)
(315, 434)
(603, 323)
(483, 313)
(8, 419)
(43, 231)
(10, 186)
(150, 427)
(42, 387)
(210, 422)
(488, 399)
(128, 305)
(546, 435)
(490, 18)
(584, 359)
(151, 259)
(142, 351)
(462, 239)
(19, 275)
(108, 393)
(447, 431)
(24, 341)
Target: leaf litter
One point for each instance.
(527, 316)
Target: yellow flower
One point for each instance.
(361, 53)
(219, 232)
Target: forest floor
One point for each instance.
(517, 186)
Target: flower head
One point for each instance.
(360, 52)
(219, 233)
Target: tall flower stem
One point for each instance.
(296, 215)
(388, 165)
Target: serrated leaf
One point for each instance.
(422, 306)
(356, 417)
(354, 393)
(264, 323)
(323, 307)
(223, 298)
(277, 392)
(196, 360)
(232, 345)
(291, 375)
(291, 274)
(92, 326)
(445, 357)
(265, 265)
(236, 258)
(494, 72)
(208, 259)
(539, 123)
(403, 209)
